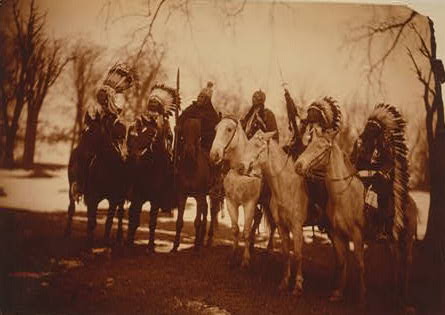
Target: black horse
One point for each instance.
(103, 147)
(151, 173)
(195, 178)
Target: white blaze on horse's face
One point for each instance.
(225, 132)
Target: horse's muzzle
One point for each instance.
(215, 157)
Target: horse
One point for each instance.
(345, 209)
(381, 146)
(104, 145)
(85, 151)
(230, 144)
(151, 175)
(194, 178)
(345, 204)
(289, 202)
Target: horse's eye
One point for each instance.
(229, 130)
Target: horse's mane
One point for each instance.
(391, 122)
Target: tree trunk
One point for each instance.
(8, 161)
(30, 137)
(435, 236)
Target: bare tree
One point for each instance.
(46, 66)
(149, 70)
(22, 42)
(84, 78)
(431, 79)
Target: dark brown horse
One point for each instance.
(104, 148)
(107, 176)
(194, 179)
(151, 173)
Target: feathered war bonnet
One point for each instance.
(390, 122)
(163, 99)
(119, 78)
(326, 113)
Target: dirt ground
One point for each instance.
(44, 273)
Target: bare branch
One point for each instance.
(150, 28)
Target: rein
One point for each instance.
(233, 135)
(318, 158)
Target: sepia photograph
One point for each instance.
(222, 157)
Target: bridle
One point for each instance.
(257, 156)
(226, 147)
(315, 161)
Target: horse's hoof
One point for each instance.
(209, 243)
(336, 296)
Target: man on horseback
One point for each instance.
(259, 117)
(323, 114)
(119, 78)
(203, 110)
(380, 155)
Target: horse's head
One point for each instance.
(114, 135)
(91, 134)
(314, 160)
(370, 142)
(226, 131)
(141, 137)
(190, 138)
(255, 154)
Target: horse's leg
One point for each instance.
(285, 241)
(134, 219)
(154, 209)
(249, 231)
(232, 208)
(214, 209)
(201, 220)
(257, 214)
(357, 239)
(71, 211)
(109, 222)
(340, 245)
(297, 233)
(120, 216)
(272, 226)
(91, 225)
(182, 198)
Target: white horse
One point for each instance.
(231, 144)
(289, 202)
